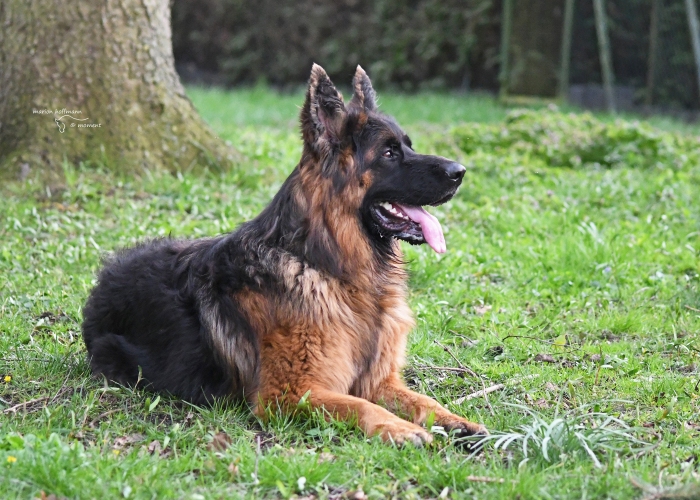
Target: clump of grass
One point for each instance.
(578, 433)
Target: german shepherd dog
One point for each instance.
(308, 298)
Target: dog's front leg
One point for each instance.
(399, 398)
(371, 418)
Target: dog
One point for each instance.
(305, 302)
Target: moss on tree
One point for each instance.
(95, 82)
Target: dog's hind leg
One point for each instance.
(115, 358)
(397, 397)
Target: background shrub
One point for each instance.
(422, 43)
(571, 140)
(414, 44)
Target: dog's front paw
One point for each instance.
(462, 427)
(466, 434)
(402, 432)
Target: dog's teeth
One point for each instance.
(389, 207)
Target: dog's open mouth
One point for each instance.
(409, 223)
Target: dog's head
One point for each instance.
(371, 164)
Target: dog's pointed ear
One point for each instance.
(324, 115)
(364, 96)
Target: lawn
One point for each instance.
(571, 284)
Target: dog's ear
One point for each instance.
(364, 96)
(324, 115)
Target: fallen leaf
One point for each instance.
(325, 457)
(44, 496)
(692, 426)
(561, 341)
(609, 336)
(541, 403)
(355, 495)
(154, 447)
(124, 441)
(188, 418)
(219, 442)
(482, 309)
(544, 358)
(233, 469)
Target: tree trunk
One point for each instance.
(95, 81)
(536, 43)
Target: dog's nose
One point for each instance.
(454, 170)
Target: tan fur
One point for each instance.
(237, 353)
(342, 339)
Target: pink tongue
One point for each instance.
(432, 231)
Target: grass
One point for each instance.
(578, 289)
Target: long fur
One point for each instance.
(308, 296)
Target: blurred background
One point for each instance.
(521, 49)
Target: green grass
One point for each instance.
(576, 288)
(261, 106)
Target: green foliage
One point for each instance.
(433, 44)
(551, 138)
(428, 43)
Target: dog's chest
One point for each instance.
(357, 332)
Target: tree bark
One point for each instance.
(95, 81)
(536, 41)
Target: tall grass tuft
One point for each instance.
(578, 433)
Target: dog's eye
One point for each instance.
(388, 154)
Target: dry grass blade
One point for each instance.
(15, 408)
(490, 389)
(479, 394)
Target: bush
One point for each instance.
(571, 140)
(429, 43)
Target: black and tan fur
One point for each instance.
(308, 296)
